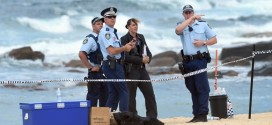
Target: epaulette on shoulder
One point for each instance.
(107, 29)
(201, 21)
(90, 35)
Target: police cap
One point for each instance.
(111, 11)
(188, 8)
(97, 19)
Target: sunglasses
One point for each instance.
(190, 29)
(110, 17)
(188, 12)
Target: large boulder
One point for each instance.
(259, 35)
(74, 64)
(266, 70)
(163, 61)
(233, 58)
(162, 70)
(26, 53)
(246, 50)
(211, 75)
(168, 58)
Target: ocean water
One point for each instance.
(58, 27)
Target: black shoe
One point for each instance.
(193, 120)
(201, 118)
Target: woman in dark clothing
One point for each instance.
(135, 62)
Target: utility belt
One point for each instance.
(187, 58)
(120, 61)
(112, 61)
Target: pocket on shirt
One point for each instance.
(199, 34)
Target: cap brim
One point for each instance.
(98, 19)
(188, 9)
(110, 15)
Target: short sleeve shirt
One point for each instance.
(89, 45)
(107, 38)
(201, 31)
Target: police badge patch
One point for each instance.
(85, 41)
(107, 36)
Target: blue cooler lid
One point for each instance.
(54, 105)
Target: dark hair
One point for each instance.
(134, 20)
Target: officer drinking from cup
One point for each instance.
(112, 60)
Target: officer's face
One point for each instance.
(133, 27)
(110, 20)
(97, 26)
(188, 14)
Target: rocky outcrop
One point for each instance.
(211, 75)
(168, 58)
(162, 70)
(163, 61)
(233, 58)
(74, 64)
(230, 73)
(259, 35)
(246, 50)
(26, 53)
(36, 87)
(266, 70)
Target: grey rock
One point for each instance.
(74, 64)
(246, 50)
(26, 53)
(233, 58)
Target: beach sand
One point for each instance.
(240, 119)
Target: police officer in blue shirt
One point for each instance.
(195, 36)
(91, 56)
(112, 60)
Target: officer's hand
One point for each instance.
(127, 47)
(198, 43)
(95, 68)
(145, 59)
(197, 17)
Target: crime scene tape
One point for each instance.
(133, 80)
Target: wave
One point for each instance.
(57, 25)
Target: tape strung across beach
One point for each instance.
(254, 53)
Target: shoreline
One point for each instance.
(239, 119)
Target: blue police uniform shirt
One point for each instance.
(201, 31)
(107, 38)
(89, 45)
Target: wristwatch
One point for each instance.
(204, 43)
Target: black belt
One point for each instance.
(194, 57)
(116, 60)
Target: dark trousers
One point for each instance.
(145, 87)
(198, 85)
(97, 90)
(118, 91)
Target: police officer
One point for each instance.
(112, 60)
(135, 61)
(91, 56)
(195, 36)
